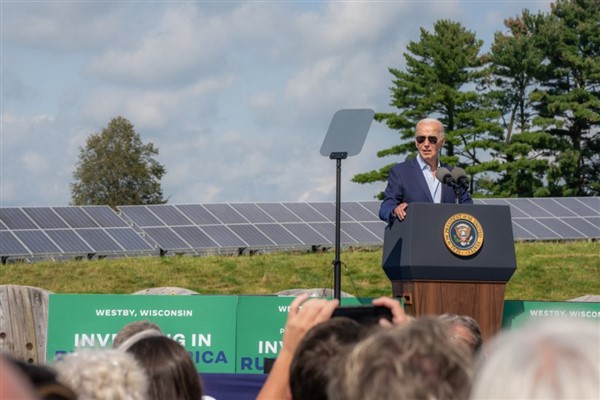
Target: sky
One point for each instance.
(237, 96)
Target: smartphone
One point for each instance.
(364, 314)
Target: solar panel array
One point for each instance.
(201, 228)
(31, 232)
(67, 232)
(560, 218)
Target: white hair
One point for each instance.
(431, 121)
(103, 374)
(551, 359)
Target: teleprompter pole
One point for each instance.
(337, 263)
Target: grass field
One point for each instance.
(546, 271)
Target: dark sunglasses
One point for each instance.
(432, 139)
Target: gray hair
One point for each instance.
(431, 121)
(404, 362)
(103, 374)
(551, 359)
(465, 329)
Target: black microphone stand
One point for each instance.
(456, 189)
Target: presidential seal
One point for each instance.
(463, 234)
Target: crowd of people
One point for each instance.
(338, 358)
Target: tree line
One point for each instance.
(523, 118)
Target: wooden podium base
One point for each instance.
(483, 301)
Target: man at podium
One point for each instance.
(415, 180)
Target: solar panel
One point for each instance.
(170, 215)
(529, 208)
(520, 233)
(104, 216)
(306, 234)
(358, 211)
(167, 239)
(359, 233)
(565, 231)
(198, 214)
(327, 229)
(305, 212)
(223, 236)
(279, 235)
(577, 206)
(537, 229)
(129, 240)
(372, 206)
(514, 211)
(584, 226)
(252, 213)
(555, 208)
(69, 241)
(195, 237)
(226, 214)
(377, 228)
(278, 212)
(101, 241)
(592, 202)
(37, 242)
(75, 217)
(49, 231)
(329, 209)
(251, 235)
(141, 216)
(15, 218)
(10, 245)
(45, 218)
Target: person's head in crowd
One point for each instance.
(45, 381)
(312, 360)
(465, 329)
(13, 383)
(131, 329)
(103, 374)
(169, 366)
(552, 359)
(414, 361)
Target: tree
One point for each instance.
(518, 165)
(568, 98)
(116, 168)
(439, 67)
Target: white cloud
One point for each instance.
(64, 26)
(237, 96)
(151, 108)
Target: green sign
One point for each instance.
(204, 325)
(226, 334)
(517, 312)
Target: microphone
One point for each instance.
(444, 176)
(460, 177)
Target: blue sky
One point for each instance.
(236, 95)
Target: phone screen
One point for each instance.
(366, 314)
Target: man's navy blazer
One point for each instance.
(406, 184)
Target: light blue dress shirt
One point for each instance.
(435, 186)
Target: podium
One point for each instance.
(452, 258)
